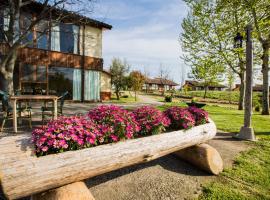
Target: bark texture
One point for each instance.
(265, 72)
(242, 91)
(23, 174)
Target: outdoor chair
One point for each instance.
(8, 111)
(48, 110)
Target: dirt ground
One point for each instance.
(162, 179)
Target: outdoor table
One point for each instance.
(15, 99)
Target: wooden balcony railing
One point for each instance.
(36, 56)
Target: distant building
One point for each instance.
(197, 86)
(158, 84)
(256, 88)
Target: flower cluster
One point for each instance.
(64, 134)
(200, 115)
(107, 124)
(151, 120)
(180, 118)
(114, 122)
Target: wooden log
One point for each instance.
(77, 191)
(23, 174)
(203, 156)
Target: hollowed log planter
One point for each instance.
(23, 174)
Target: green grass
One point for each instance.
(249, 178)
(130, 99)
(219, 95)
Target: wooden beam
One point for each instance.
(23, 174)
(203, 156)
(78, 191)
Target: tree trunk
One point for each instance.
(117, 95)
(135, 95)
(242, 91)
(265, 71)
(205, 91)
(6, 74)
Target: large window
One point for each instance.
(63, 79)
(64, 38)
(25, 23)
(42, 34)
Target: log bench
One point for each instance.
(50, 177)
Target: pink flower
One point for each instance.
(114, 138)
(45, 148)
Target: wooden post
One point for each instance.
(55, 109)
(203, 156)
(15, 115)
(77, 190)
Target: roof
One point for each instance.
(198, 84)
(160, 81)
(69, 15)
(106, 72)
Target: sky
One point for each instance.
(145, 33)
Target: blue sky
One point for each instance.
(145, 33)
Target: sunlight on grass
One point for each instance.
(250, 176)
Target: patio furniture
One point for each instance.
(29, 98)
(8, 111)
(48, 111)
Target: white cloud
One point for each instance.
(146, 33)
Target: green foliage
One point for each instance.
(168, 98)
(136, 81)
(118, 70)
(219, 95)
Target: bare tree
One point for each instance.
(16, 37)
(164, 74)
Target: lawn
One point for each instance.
(250, 176)
(127, 99)
(219, 95)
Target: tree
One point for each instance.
(207, 71)
(259, 10)
(137, 80)
(209, 30)
(231, 79)
(15, 37)
(118, 70)
(163, 75)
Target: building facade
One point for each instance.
(197, 86)
(158, 84)
(59, 57)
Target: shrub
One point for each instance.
(64, 134)
(180, 118)
(125, 96)
(114, 123)
(200, 115)
(168, 99)
(151, 120)
(258, 108)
